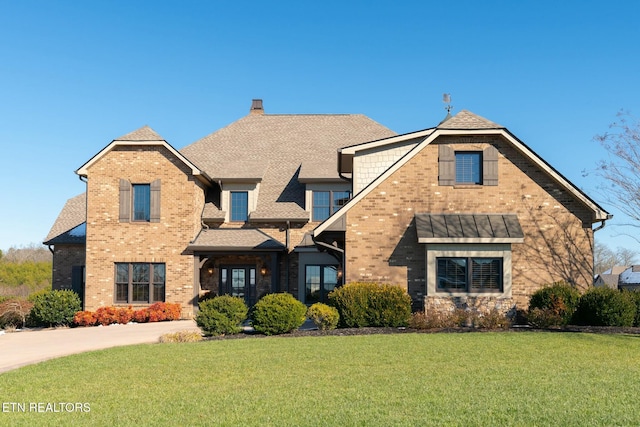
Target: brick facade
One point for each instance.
(65, 258)
(110, 241)
(381, 239)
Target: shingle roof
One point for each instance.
(225, 239)
(145, 133)
(450, 228)
(467, 120)
(73, 214)
(277, 148)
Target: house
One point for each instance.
(620, 277)
(463, 213)
(609, 278)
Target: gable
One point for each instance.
(143, 137)
(485, 128)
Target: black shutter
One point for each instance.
(490, 166)
(155, 201)
(125, 200)
(446, 165)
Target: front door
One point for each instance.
(239, 281)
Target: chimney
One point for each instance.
(256, 107)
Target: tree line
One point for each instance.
(24, 270)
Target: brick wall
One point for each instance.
(381, 238)
(65, 257)
(110, 241)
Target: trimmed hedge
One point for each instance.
(55, 308)
(635, 297)
(221, 315)
(606, 307)
(277, 314)
(362, 304)
(323, 316)
(553, 305)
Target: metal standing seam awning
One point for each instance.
(468, 228)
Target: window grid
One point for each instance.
(239, 205)
(468, 167)
(141, 202)
(326, 203)
(319, 281)
(137, 282)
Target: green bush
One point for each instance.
(556, 303)
(323, 316)
(278, 314)
(371, 304)
(635, 297)
(221, 315)
(606, 307)
(55, 308)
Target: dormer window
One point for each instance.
(239, 205)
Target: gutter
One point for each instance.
(602, 223)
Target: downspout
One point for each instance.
(50, 249)
(286, 243)
(602, 223)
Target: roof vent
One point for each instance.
(256, 107)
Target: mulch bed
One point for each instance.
(380, 331)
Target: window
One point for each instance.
(239, 205)
(140, 282)
(319, 281)
(326, 203)
(459, 274)
(468, 167)
(141, 202)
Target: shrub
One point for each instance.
(635, 297)
(14, 313)
(84, 318)
(605, 307)
(221, 315)
(371, 304)
(106, 316)
(557, 304)
(278, 314)
(161, 311)
(181, 336)
(323, 316)
(55, 307)
(141, 316)
(544, 318)
(492, 319)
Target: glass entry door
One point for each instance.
(239, 281)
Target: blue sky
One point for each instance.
(74, 75)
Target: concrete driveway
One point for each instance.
(32, 346)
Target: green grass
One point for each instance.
(475, 379)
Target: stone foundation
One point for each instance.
(476, 304)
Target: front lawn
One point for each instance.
(466, 379)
